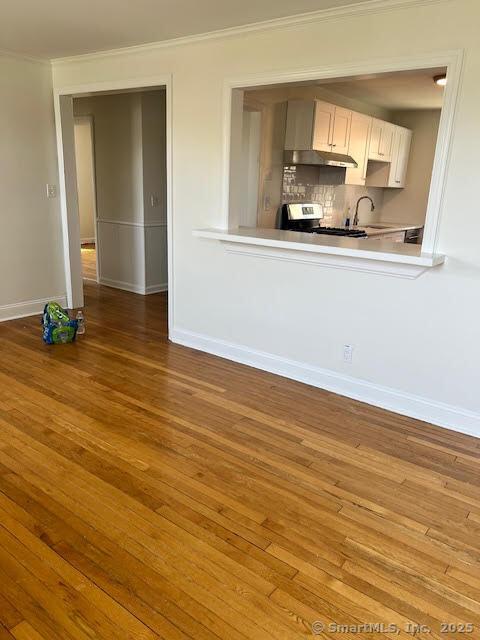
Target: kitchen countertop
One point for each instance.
(387, 227)
(378, 250)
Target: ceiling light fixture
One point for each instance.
(440, 80)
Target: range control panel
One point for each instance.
(305, 211)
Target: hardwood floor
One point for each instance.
(89, 262)
(151, 491)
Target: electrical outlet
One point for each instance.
(51, 190)
(348, 353)
(154, 201)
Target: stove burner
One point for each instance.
(338, 231)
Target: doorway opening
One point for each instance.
(87, 197)
(115, 166)
(120, 158)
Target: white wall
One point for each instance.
(31, 259)
(154, 158)
(130, 169)
(85, 178)
(418, 338)
(118, 154)
(410, 204)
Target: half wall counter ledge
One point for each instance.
(375, 256)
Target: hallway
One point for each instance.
(89, 262)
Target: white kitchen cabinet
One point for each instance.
(323, 126)
(381, 141)
(341, 130)
(400, 155)
(394, 236)
(314, 124)
(360, 129)
(300, 119)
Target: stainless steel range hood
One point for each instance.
(319, 158)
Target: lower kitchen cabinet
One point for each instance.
(394, 236)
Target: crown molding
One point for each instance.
(5, 53)
(322, 15)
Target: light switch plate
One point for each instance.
(348, 353)
(51, 190)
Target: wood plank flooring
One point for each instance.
(151, 491)
(89, 262)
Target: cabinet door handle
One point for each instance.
(333, 145)
(398, 181)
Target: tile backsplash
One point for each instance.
(304, 183)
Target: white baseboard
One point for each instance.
(156, 288)
(28, 308)
(133, 288)
(432, 411)
(125, 286)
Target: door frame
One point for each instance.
(64, 123)
(91, 122)
(258, 117)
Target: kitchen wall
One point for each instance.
(85, 178)
(416, 346)
(303, 183)
(271, 103)
(410, 204)
(131, 188)
(31, 257)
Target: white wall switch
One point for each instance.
(348, 353)
(154, 201)
(51, 190)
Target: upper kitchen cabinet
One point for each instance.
(300, 120)
(342, 123)
(401, 153)
(323, 126)
(381, 141)
(360, 129)
(380, 149)
(314, 124)
(392, 173)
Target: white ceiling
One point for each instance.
(404, 90)
(57, 28)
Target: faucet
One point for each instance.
(355, 218)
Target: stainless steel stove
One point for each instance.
(306, 217)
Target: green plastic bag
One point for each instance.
(57, 326)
